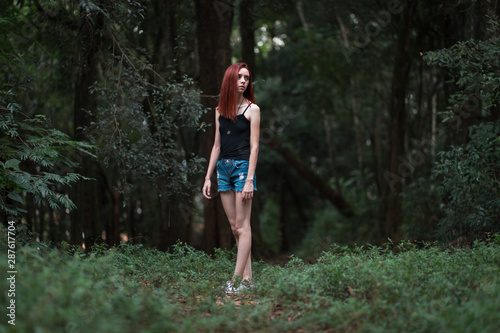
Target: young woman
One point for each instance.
(234, 154)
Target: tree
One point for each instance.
(137, 164)
(247, 30)
(37, 161)
(349, 114)
(398, 117)
(85, 220)
(214, 22)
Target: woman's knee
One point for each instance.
(239, 231)
(234, 230)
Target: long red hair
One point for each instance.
(228, 98)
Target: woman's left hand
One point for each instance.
(247, 192)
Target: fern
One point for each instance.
(28, 144)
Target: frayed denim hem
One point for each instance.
(235, 190)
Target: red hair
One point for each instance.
(229, 91)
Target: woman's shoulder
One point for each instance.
(253, 112)
(254, 107)
(217, 113)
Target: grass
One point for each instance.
(369, 289)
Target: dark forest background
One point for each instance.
(380, 119)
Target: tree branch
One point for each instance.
(306, 172)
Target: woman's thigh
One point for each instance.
(228, 199)
(243, 210)
(238, 211)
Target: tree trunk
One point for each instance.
(356, 109)
(114, 230)
(173, 34)
(247, 31)
(398, 118)
(30, 216)
(380, 160)
(283, 218)
(214, 21)
(165, 223)
(52, 232)
(41, 222)
(131, 222)
(85, 192)
(331, 151)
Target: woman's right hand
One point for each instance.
(206, 188)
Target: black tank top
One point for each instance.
(235, 137)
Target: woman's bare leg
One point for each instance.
(238, 213)
(244, 232)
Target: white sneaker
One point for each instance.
(247, 286)
(230, 289)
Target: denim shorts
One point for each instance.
(232, 175)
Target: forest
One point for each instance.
(380, 121)
(378, 175)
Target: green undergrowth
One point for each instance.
(370, 289)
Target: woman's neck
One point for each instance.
(240, 99)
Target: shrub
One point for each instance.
(469, 172)
(34, 159)
(470, 185)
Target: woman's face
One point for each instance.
(243, 79)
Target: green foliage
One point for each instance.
(316, 63)
(474, 65)
(469, 173)
(145, 118)
(34, 159)
(470, 186)
(144, 140)
(368, 289)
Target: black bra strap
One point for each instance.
(246, 108)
